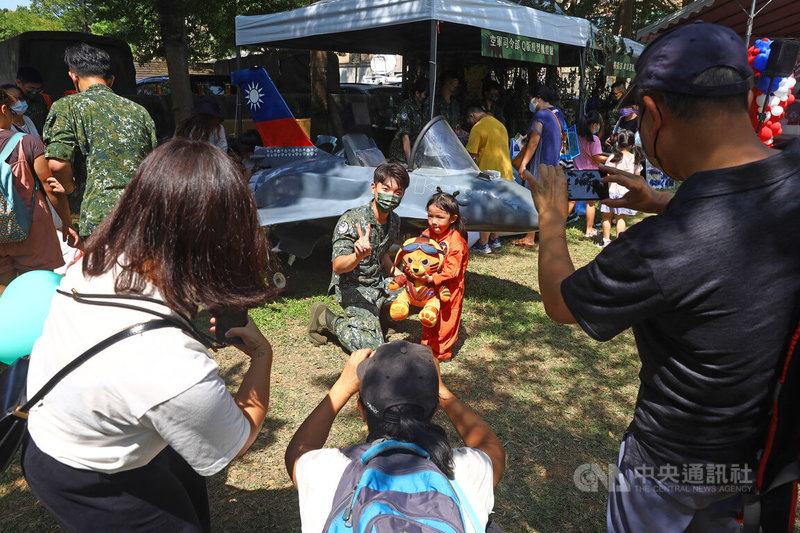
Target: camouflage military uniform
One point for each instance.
(108, 135)
(409, 122)
(451, 112)
(364, 290)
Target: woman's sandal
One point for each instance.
(523, 244)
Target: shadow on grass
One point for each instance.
(242, 511)
(556, 398)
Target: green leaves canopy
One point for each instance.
(209, 23)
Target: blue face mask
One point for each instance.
(596, 130)
(20, 107)
(532, 105)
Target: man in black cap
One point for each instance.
(708, 285)
(399, 390)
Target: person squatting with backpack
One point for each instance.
(399, 390)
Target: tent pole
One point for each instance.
(750, 24)
(582, 85)
(432, 64)
(239, 95)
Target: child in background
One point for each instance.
(446, 227)
(624, 157)
(587, 127)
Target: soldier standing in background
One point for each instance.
(446, 104)
(110, 133)
(29, 81)
(409, 121)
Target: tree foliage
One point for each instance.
(23, 19)
(621, 17)
(210, 27)
(73, 15)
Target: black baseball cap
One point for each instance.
(399, 373)
(674, 60)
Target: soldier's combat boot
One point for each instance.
(321, 322)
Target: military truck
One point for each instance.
(44, 50)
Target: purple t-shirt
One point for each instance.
(584, 160)
(548, 150)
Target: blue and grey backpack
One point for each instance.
(393, 486)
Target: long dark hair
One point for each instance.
(187, 223)
(5, 98)
(625, 140)
(449, 204)
(198, 127)
(404, 423)
(584, 123)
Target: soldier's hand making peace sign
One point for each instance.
(362, 246)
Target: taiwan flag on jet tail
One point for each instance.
(274, 121)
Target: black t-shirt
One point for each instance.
(708, 287)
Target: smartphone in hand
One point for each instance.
(227, 319)
(585, 185)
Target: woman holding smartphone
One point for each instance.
(123, 442)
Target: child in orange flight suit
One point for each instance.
(446, 227)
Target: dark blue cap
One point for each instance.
(675, 59)
(399, 373)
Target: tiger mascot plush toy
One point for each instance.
(419, 258)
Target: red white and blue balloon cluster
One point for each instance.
(776, 92)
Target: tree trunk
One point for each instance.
(318, 65)
(173, 35)
(623, 19)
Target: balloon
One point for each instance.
(776, 128)
(774, 101)
(23, 307)
(760, 99)
(789, 99)
(791, 81)
(760, 62)
(776, 111)
(765, 134)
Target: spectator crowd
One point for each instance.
(144, 230)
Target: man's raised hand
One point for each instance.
(640, 196)
(362, 246)
(549, 192)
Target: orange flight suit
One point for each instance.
(444, 335)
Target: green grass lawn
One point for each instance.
(556, 398)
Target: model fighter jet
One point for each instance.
(305, 190)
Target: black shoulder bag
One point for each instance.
(13, 405)
(14, 421)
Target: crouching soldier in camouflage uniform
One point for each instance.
(95, 139)
(362, 267)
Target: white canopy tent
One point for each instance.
(409, 26)
(343, 20)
